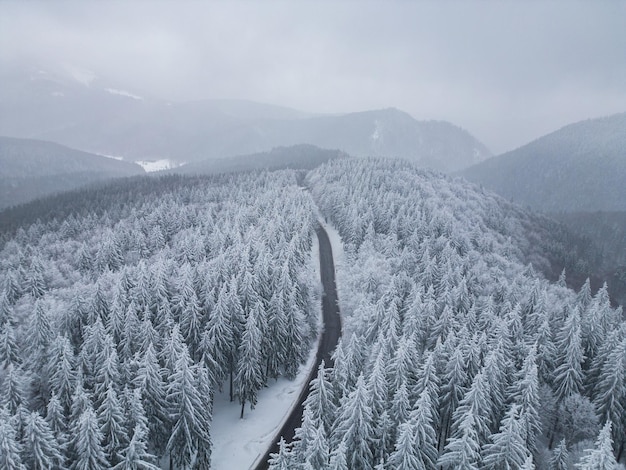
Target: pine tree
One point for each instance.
(87, 443)
(462, 451)
(150, 384)
(63, 365)
(525, 392)
(13, 390)
(136, 455)
(454, 386)
(283, 459)
(188, 431)
(422, 419)
(319, 401)
(404, 457)
(9, 352)
(610, 397)
(339, 458)
(41, 449)
(249, 379)
(10, 449)
(353, 426)
(560, 457)
(111, 418)
(507, 448)
(477, 403)
(57, 422)
(601, 456)
(568, 376)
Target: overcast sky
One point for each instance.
(508, 72)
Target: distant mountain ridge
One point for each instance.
(581, 167)
(89, 113)
(35, 168)
(297, 157)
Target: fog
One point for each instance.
(508, 72)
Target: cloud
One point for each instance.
(506, 71)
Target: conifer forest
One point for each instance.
(128, 307)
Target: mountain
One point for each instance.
(76, 108)
(301, 157)
(581, 167)
(33, 168)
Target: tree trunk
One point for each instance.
(243, 404)
(231, 378)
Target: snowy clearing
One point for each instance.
(237, 443)
(157, 165)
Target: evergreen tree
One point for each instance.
(610, 399)
(525, 392)
(111, 418)
(353, 427)
(150, 384)
(560, 457)
(568, 376)
(136, 455)
(319, 401)
(601, 456)
(404, 457)
(63, 365)
(507, 449)
(462, 451)
(282, 460)
(9, 352)
(189, 431)
(41, 449)
(13, 390)
(87, 443)
(10, 449)
(249, 378)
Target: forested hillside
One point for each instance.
(301, 156)
(456, 354)
(35, 168)
(120, 318)
(581, 167)
(124, 308)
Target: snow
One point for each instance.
(238, 443)
(128, 94)
(114, 157)
(57, 93)
(83, 76)
(157, 165)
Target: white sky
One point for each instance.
(507, 71)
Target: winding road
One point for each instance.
(330, 335)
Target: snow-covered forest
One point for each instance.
(128, 307)
(118, 324)
(456, 353)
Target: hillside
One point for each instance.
(549, 174)
(52, 106)
(124, 308)
(32, 168)
(455, 354)
(303, 157)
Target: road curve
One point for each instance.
(330, 335)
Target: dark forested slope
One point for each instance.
(34, 168)
(581, 167)
(303, 156)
